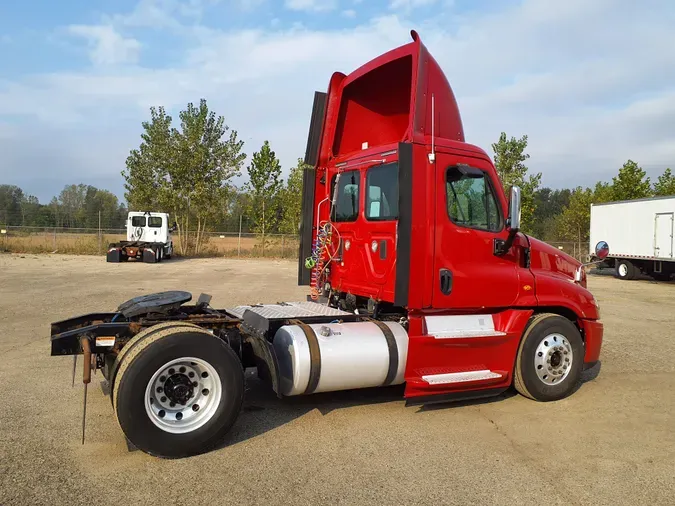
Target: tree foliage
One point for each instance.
(665, 184)
(290, 199)
(509, 159)
(263, 187)
(185, 171)
(631, 182)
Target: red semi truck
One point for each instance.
(417, 272)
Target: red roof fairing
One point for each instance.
(389, 100)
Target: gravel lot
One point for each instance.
(612, 442)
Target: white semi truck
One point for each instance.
(641, 234)
(148, 238)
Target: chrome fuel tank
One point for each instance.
(326, 357)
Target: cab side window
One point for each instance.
(382, 196)
(471, 199)
(347, 204)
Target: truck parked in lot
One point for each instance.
(148, 239)
(641, 234)
(417, 272)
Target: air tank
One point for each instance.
(326, 357)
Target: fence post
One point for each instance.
(283, 240)
(99, 232)
(239, 247)
(54, 239)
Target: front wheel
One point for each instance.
(178, 391)
(550, 358)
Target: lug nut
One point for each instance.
(191, 374)
(162, 379)
(182, 369)
(195, 384)
(172, 371)
(163, 399)
(159, 390)
(172, 404)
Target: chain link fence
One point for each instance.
(88, 241)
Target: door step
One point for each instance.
(461, 377)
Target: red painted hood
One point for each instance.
(547, 258)
(553, 272)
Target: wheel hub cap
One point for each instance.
(553, 359)
(183, 395)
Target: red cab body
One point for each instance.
(410, 217)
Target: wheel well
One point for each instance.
(565, 312)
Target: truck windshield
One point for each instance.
(346, 207)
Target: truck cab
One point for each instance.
(149, 227)
(403, 217)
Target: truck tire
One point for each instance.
(178, 391)
(625, 269)
(550, 358)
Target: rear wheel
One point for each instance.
(625, 269)
(550, 358)
(178, 390)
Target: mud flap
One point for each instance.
(114, 255)
(149, 256)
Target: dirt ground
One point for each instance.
(612, 442)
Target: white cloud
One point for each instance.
(310, 5)
(409, 4)
(106, 45)
(349, 13)
(582, 80)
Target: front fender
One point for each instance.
(558, 290)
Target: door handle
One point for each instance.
(446, 281)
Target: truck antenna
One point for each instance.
(432, 155)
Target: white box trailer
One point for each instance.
(640, 236)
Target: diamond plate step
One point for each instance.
(460, 377)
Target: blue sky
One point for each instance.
(591, 83)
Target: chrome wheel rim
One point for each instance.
(183, 395)
(623, 270)
(553, 359)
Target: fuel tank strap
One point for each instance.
(393, 351)
(314, 356)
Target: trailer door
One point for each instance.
(663, 235)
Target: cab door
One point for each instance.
(470, 218)
(465, 341)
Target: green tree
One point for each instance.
(10, 204)
(264, 183)
(603, 192)
(576, 217)
(149, 163)
(509, 161)
(291, 199)
(631, 182)
(665, 184)
(185, 171)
